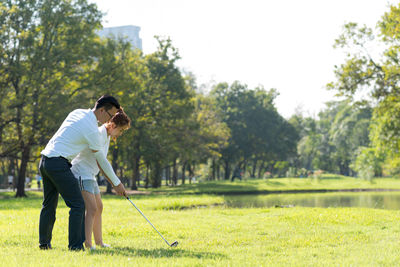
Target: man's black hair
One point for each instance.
(107, 102)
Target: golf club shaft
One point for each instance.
(147, 220)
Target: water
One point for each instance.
(376, 200)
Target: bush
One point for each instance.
(367, 164)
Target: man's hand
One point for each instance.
(120, 190)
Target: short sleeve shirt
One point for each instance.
(78, 131)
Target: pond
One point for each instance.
(376, 200)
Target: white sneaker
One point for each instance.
(105, 245)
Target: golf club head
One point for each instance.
(174, 244)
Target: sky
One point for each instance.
(281, 44)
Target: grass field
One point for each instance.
(326, 182)
(208, 234)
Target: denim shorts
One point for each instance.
(90, 186)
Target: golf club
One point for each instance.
(174, 244)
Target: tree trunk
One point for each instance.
(193, 169)
(16, 171)
(260, 170)
(191, 172)
(213, 169)
(167, 175)
(22, 172)
(183, 173)
(11, 171)
(174, 173)
(227, 170)
(253, 171)
(236, 172)
(136, 165)
(218, 172)
(3, 167)
(146, 182)
(136, 172)
(344, 168)
(155, 177)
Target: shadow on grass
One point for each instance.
(159, 253)
(9, 201)
(331, 177)
(29, 194)
(274, 183)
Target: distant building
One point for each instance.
(130, 32)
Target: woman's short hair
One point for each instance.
(120, 119)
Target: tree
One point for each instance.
(205, 135)
(367, 165)
(348, 132)
(45, 47)
(330, 142)
(376, 73)
(258, 132)
(161, 107)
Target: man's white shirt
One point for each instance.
(78, 132)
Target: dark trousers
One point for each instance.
(58, 179)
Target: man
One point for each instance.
(11, 182)
(38, 179)
(78, 131)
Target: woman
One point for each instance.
(85, 169)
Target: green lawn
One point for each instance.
(327, 182)
(208, 234)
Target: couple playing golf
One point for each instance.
(69, 164)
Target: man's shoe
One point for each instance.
(45, 246)
(77, 249)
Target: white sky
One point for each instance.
(282, 44)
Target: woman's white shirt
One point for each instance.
(84, 165)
